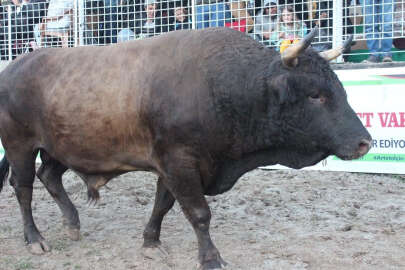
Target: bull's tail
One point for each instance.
(4, 169)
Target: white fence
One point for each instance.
(27, 25)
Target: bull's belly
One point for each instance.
(100, 160)
(93, 166)
(95, 146)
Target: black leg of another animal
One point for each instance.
(22, 179)
(50, 173)
(164, 201)
(187, 189)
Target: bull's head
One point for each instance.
(315, 117)
(290, 55)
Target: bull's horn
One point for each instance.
(289, 56)
(331, 54)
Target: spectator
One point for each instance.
(20, 32)
(378, 28)
(93, 32)
(240, 19)
(348, 27)
(24, 15)
(211, 13)
(322, 13)
(321, 16)
(290, 28)
(125, 35)
(182, 20)
(3, 33)
(399, 19)
(300, 8)
(58, 22)
(166, 14)
(266, 21)
(255, 6)
(399, 25)
(130, 12)
(110, 20)
(150, 24)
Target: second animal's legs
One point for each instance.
(50, 173)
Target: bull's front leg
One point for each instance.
(185, 184)
(198, 213)
(164, 201)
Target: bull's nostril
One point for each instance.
(364, 146)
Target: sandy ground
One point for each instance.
(269, 220)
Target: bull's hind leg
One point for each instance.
(164, 201)
(50, 173)
(22, 179)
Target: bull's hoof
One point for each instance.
(71, 230)
(156, 253)
(73, 234)
(39, 248)
(213, 264)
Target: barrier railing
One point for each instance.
(26, 26)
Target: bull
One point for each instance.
(197, 108)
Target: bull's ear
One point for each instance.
(283, 88)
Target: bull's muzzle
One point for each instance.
(364, 147)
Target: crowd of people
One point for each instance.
(29, 24)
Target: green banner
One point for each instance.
(379, 80)
(380, 158)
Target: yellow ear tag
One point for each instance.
(286, 43)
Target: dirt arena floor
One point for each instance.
(269, 220)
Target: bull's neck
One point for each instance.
(244, 106)
(261, 130)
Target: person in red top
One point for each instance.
(241, 20)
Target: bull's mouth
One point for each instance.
(298, 160)
(348, 157)
(362, 149)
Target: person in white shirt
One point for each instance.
(58, 21)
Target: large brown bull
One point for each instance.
(198, 108)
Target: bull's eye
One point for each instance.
(317, 99)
